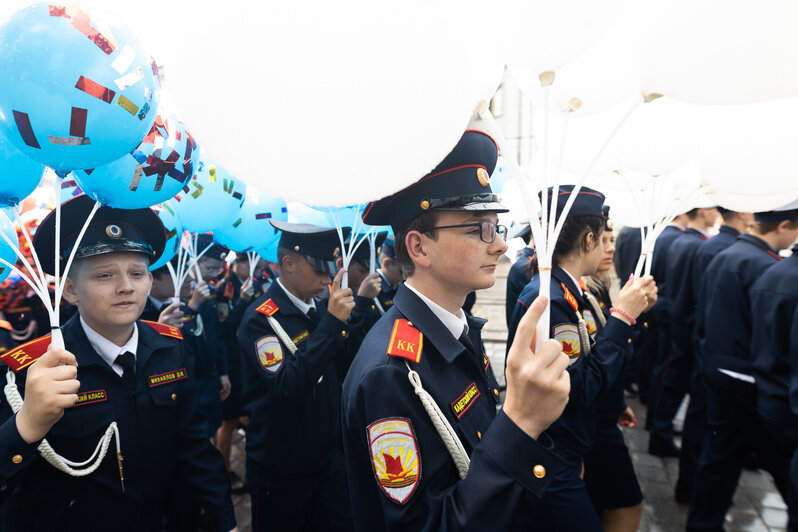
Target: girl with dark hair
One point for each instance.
(597, 352)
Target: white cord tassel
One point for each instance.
(289, 344)
(596, 308)
(59, 462)
(442, 425)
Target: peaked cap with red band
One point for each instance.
(588, 202)
(110, 231)
(460, 182)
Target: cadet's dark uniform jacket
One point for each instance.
(591, 375)
(162, 437)
(774, 346)
(401, 477)
(295, 420)
(387, 293)
(517, 278)
(628, 245)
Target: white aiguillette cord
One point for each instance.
(75, 469)
(442, 425)
(289, 344)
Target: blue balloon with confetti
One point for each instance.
(19, 174)
(75, 92)
(7, 252)
(211, 199)
(174, 233)
(251, 230)
(154, 172)
(269, 252)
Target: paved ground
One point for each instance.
(758, 507)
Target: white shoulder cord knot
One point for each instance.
(584, 337)
(596, 308)
(59, 462)
(289, 344)
(442, 425)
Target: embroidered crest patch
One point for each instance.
(223, 310)
(466, 399)
(95, 396)
(568, 335)
(590, 321)
(270, 353)
(394, 457)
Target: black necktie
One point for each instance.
(469, 345)
(128, 363)
(312, 314)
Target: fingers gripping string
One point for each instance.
(442, 425)
(75, 469)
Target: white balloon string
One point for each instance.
(55, 320)
(59, 289)
(545, 153)
(195, 258)
(253, 262)
(37, 275)
(578, 186)
(556, 189)
(372, 252)
(44, 296)
(175, 279)
(344, 255)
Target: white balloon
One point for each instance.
(328, 103)
(749, 155)
(711, 52)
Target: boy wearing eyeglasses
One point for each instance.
(425, 446)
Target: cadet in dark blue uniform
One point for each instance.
(403, 474)
(695, 422)
(296, 350)
(520, 272)
(390, 273)
(733, 425)
(774, 349)
(610, 477)
(595, 366)
(114, 369)
(628, 244)
(659, 316)
(678, 366)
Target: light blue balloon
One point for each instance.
(251, 230)
(269, 253)
(19, 174)
(211, 199)
(174, 233)
(501, 175)
(7, 252)
(152, 173)
(304, 214)
(75, 92)
(347, 216)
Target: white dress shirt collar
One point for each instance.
(108, 350)
(298, 303)
(455, 323)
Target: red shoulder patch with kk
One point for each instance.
(406, 341)
(268, 307)
(26, 354)
(164, 330)
(569, 297)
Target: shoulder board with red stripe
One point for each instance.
(26, 354)
(229, 290)
(569, 297)
(406, 341)
(268, 307)
(164, 330)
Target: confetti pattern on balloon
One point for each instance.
(210, 200)
(174, 233)
(251, 229)
(154, 172)
(75, 92)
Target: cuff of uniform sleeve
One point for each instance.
(331, 325)
(531, 463)
(363, 304)
(619, 332)
(15, 453)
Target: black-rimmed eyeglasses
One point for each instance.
(487, 230)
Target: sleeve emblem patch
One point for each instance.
(270, 353)
(590, 321)
(568, 335)
(394, 457)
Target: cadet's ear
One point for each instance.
(414, 243)
(69, 291)
(287, 264)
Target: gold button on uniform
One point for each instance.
(17, 458)
(629, 341)
(343, 333)
(539, 471)
(174, 396)
(496, 392)
(645, 324)
(479, 435)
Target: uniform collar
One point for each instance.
(413, 308)
(454, 322)
(528, 251)
(570, 281)
(729, 230)
(758, 242)
(108, 350)
(697, 232)
(159, 305)
(298, 303)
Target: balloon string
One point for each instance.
(173, 274)
(37, 275)
(545, 203)
(253, 262)
(344, 255)
(59, 289)
(44, 296)
(55, 321)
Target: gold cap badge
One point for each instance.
(113, 231)
(424, 204)
(483, 177)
